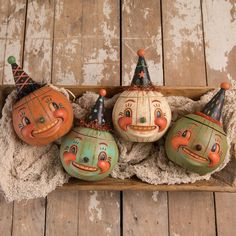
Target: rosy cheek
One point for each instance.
(161, 122)
(214, 158)
(104, 166)
(68, 157)
(178, 141)
(61, 113)
(123, 122)
(27, 131)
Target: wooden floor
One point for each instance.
(94, 42)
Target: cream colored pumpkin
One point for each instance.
(141, 115)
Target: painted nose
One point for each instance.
(41, 120)
(86, 159)
(198, 147)
(142, 120)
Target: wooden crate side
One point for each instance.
(136, 184)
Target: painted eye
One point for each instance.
(158, 113)
(73, 149)
(215, 148)
(25, 121)
(128, 112)
(186, 134)
(102, 156)
(53, 106)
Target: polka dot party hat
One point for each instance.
(141, 76)
(96, 119)
(213, 109)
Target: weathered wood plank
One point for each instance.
(29, 218)
(62, 213)
(145, 213)
(225, 213)
(219, 20)
(3, 34)
(183, 43)
(15, 35)
(5, 217)
(83, 213)
(141, 28)
(191, 213)
(99, 213)
(86, 42)
(38, 40)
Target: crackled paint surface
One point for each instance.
(86, 45)
(219, 18)
(183, 43)
(143, 31)
(13, 26)
(39, 37)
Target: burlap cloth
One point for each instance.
(28, 172)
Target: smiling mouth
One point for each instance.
(194, 156)
(142, 128)
(47, 128)
(83, 167)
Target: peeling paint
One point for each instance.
(185, 28)
(59, 9)
(146, 12)
(220, 32)
(155, 196)
(107, 9)
(95, 212)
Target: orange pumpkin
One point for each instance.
(42, 116)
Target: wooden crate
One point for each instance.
(223, 181)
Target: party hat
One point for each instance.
(141, 76)
(24, 84)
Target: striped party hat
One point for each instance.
(24, 84)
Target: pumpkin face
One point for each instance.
(196, 144)
(42, 116)
(88, 154)
(141, 116)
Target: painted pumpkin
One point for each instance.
(41, 114)
(141, 116)
(198, 142)
(89, 152)
(141, 113)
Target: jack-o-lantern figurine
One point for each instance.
(41, 114)
(141, 113)
(197, 141)
(89, 152)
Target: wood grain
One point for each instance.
(15, 36)
(225, 213)
(83, 213)
(219, 18)
(99, 213)
(145, 213)
(3, 34)
(29, 218)
(141, 28)
(86, 42)
(184, 63)
(191, 212)
(62, 213)
(135, 184)
(38, 40)
(5, 216)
